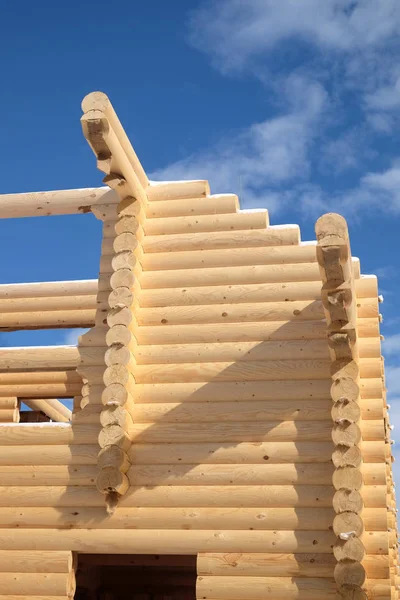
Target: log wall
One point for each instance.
(206, 407)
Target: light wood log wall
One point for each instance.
(231, 421)
(227, 443)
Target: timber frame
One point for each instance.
(229, 398)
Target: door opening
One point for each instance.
(135, 577)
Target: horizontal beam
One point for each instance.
(57, 202)
(119, 541)
(52, 408)
(48, 289)
(39, 357)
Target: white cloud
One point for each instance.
(393, 382)
(391, 345)
(71, 338)
(233, 31)
(266, 154)
(386, 97)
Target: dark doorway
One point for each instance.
(136, 577)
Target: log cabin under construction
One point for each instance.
(229, 438)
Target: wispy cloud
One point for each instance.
(266, 155)
(391, 345)
(233, 32)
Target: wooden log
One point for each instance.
(235, 276)
(282, 474)
(49, 455)
(112, 480)
(51, 584)
(162, 261)
(47, 475)
(285, 410)
(257, 588)
(47, 319)
(41, 390)
(195, 412)
(227, 313)
(244, 371)
(232, 371)
(172, 190)
(267, 431)
(118, 541)
(283, 565)
(9, 379)
(224, 332)
(113, 152)
(52, 303)
(262, 497)
(7, 403)
(9, 415)
(285, 519)
(266, 292)
(30, 561)
(57, 202)
(47, 434)
(246, 453)
(246, 390)
(211, 205)
(206, 223)
(272, 236)
(246, 351)
(98, 101)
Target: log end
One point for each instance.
(95, 101)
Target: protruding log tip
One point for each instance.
(95, 101)
(331, 229)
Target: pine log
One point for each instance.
(231, 391)
(160, 261)
(219, 204)
(206, 223)
(281, 565)
(7, 403)
(37, 584)
(117, 541)
(98, 101)
(47, 434)
(246, 453)
(266, 292)
(57, 202)
(286, 410)
(47, 319)
(9, 415)
(30, 561)
(246, 351)
(48, 455)
(272, 236)
(171, 190)
(51, 303)
(242, 332)
(263, 497)
(234, 276)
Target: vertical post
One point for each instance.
(124, 174)
(339, 300)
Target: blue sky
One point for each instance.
(292, 104)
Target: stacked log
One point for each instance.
(30, 573)
(338, 295)
(124, 174)
(53, 305)
(9, 410)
